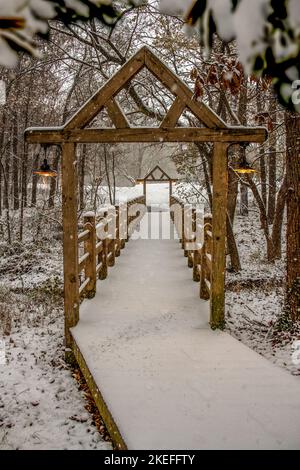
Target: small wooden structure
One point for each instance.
(152, 177)
(211, 129)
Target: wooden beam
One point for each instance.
(94, 105)
(70, 241)
(189, 134)
(116, 114)
(178, 88)
(219, 215)
(174, 113)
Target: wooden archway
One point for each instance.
(75, 131)
(152, 177)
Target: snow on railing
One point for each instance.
(103, 237)
(199, 255)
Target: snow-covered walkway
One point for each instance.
(167, 379)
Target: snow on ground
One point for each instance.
(255, 297)
(160, 366)
(40, 405)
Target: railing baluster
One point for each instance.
(90, 248)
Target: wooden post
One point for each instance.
(182, 226)
(219, 212)
(112, 238)
(70, 243)
(118, 241)
(122, 222)
(196, 275)
(102, 257)
(204, 291)
(192, 225)
(170, 192)
(196, 258)
(128, 220)
(90, 247)
(185, 229)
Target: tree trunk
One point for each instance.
(233, 184)
(242, 115)
(244, 200)
(53, 182)
(263, 171)
(293, 214)
(36, 160)
(272, 166)
(0, 189)
(6, 169)
(278, 220)
(235, 264)
(15, 168)
(263, 216)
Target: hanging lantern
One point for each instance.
(45, 169)
(244, 166)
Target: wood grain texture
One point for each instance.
(174, 113)
(90, 247)
(94, 105)
(136, 134)
(70, 239)
(219, 205)
(116, 114)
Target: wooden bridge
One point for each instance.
(160, 376)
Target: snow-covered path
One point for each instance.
(167, 379)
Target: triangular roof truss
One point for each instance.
(215, 129)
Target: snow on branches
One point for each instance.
(267, 33)
(21, 20)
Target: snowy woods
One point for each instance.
(239, 63)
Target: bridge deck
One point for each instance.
(167, 379)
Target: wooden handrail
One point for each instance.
(100, 253)
(199, 259)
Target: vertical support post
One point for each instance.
(122, 224)
(204, 291)
(182, 226)
(186, 228)
(90, 247)
(196, 276)
(170, 192)
(145, 189)
(219, 212)
(192, 225)
(128, 221)
(197, 259)
(118, 241)
(112, 237)
(70, 243)
(103, 254)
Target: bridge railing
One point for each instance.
(103, 237)
(186, 220)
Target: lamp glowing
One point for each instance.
(45, 170)
(244, 167)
